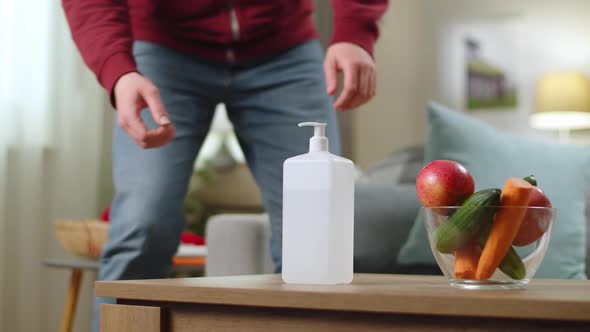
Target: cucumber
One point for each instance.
(467, 220)
(511, 264)
(531, 179)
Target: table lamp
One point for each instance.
(562, 103)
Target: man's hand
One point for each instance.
(133, 93)
(359, 75)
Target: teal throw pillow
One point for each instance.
(563, 172)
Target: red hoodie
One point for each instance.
(220, 30)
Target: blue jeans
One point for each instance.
(265, 99)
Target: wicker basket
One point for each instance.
(84, 238)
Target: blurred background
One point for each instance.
(491, 59)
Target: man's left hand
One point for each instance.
(358, 68)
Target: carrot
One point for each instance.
(466, 259)
(516, 192)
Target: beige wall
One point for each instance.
(548, 35)
(394, 118)
(554, 35)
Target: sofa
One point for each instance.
(385, 210)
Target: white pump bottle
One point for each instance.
(318, 215)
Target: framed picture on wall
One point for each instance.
(480, 64)
(489, 81)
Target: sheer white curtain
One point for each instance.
(54, 160)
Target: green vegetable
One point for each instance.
(531, 179)
(467, 220)
(511, 264)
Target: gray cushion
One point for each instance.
(384, 215)
(401, 167)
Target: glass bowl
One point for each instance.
(465, 235)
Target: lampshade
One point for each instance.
(563, 102)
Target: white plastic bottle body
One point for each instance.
(318, 219)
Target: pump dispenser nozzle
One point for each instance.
(319, 141)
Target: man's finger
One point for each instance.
(361, 96)
(151, 95)
(124, 122)
(358, 100)
(131, 133)
(366, 83)
(373, 84)
(351, 87)
(165, 132)
(149, 138)
(136, 127)
(331, 71)
(160, 136)
(366, 78)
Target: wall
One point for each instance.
(417, 34)
(548, 35)
(392, 120)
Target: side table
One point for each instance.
(78, 266)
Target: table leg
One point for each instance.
(67, 320)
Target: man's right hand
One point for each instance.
(133, 93)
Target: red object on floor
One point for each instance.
(192, 238)
(106, 214)
(186, 237)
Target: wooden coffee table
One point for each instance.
(370, 303)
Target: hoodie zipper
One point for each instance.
(235, 25)
(235, 31)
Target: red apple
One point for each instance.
(444, 183)
(536, 221)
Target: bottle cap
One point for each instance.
(319, 141)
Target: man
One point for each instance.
(166, 64)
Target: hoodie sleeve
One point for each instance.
(355, 21)
(102, 33)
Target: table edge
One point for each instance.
(439, 305)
